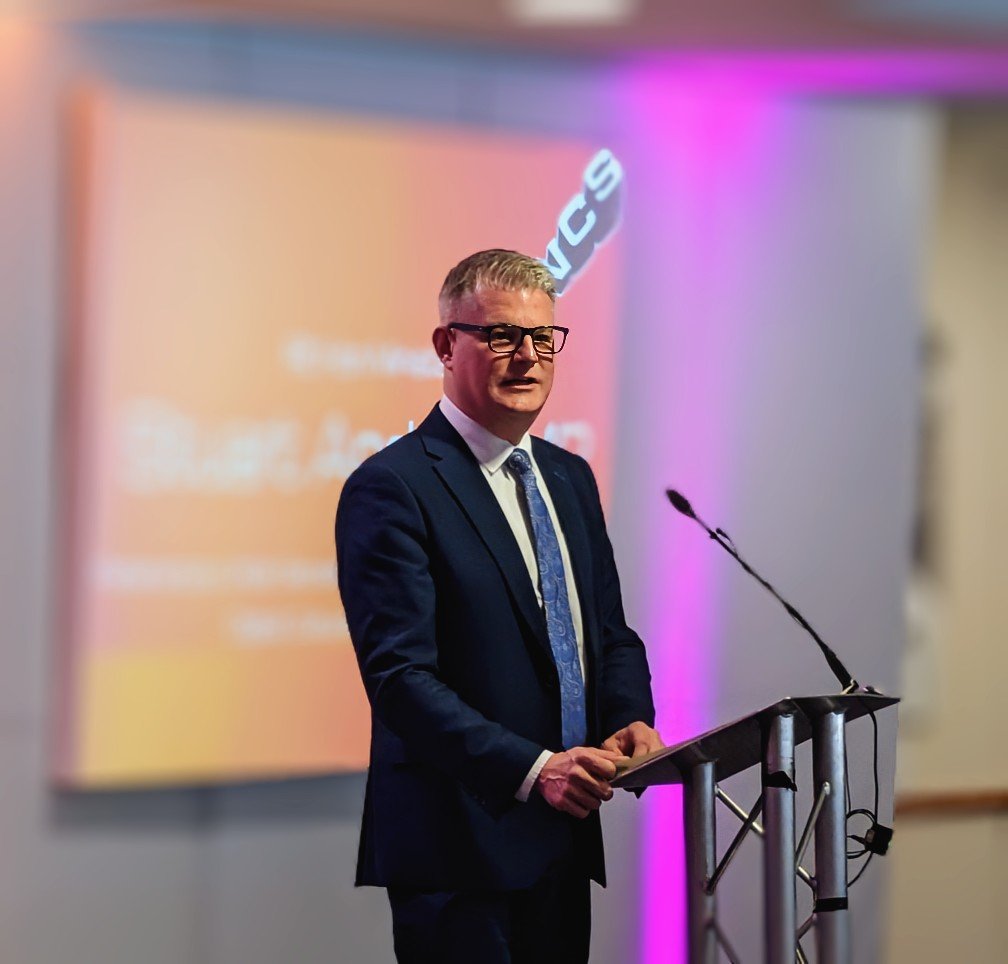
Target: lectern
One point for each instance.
(767, 737)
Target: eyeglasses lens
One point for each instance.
(507, 338)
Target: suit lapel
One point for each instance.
(464, 478)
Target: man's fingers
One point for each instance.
(649, 742)
(607, 754)
(576, 781)
(586, 782)
(582, 753)
(602, 762)
(617, 743)
(594, 790)
(597, 773)
(589, 801)
(621, 741)
(636, 739)
(606, 769)
(575, 797)
(574, 810)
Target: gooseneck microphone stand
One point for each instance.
(681, 504)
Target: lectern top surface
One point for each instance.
(736, 746)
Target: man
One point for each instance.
(484, 607)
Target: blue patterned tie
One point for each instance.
(559, 624)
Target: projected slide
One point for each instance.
(252, 292)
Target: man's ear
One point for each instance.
(443, 345)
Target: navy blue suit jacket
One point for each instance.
(456, 661)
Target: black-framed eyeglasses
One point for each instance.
(504, 339)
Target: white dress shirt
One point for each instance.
(492, 454)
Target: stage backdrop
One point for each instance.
(253, 293)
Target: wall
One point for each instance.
(956, 742)
(780, 242)
(766, 368)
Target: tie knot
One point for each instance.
(519, 462)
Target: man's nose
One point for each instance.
(526, 348)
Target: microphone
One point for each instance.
(681, 504)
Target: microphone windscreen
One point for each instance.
(680, 503)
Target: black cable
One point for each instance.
(874, 723)
(846, 777)
(872, 814)
(853, 836)
(857, 876)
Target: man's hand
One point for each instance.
(634, 740)
(577, 780)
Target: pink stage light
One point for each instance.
(694, 151)
(701, 141)
(863, 72)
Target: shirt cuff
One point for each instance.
(529, 782)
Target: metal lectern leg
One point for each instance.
(832, 921)
(698, 812)
(779, 838)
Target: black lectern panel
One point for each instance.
(737, 746)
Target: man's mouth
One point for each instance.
(521, 380)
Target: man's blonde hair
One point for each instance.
(494, 268)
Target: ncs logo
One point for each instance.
(589, 218)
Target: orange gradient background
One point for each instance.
(253, 295)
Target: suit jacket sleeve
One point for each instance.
(625, 680)
(389, 598)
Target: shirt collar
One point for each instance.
(490, 451)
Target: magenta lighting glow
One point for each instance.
(703, 137)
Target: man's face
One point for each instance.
(503, 392)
